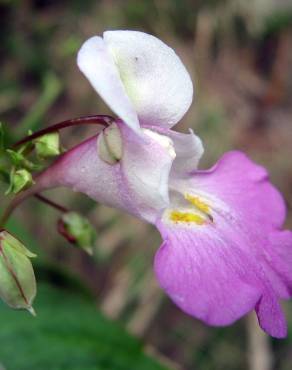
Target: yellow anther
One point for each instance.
(178, 216)
(200, 214)
(198, 203)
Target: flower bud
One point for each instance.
(19, 160)
(19, 180)
(17, 280)
(77, 230)
(110, 144)
(48, 145)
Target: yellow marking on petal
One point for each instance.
(178, 216)
(198, 203)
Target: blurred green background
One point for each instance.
(239, 56)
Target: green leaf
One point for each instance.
(68, 334)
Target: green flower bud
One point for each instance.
(110, 144)
(20, 161)
(48, 145)
(17, 280)
(77, 230)
(19, 180)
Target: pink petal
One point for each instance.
(204, 276)
(221, 270)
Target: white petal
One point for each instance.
(187, 147)
(189, 150)
(153, 75)
(97, 64)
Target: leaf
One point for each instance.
(68, 334)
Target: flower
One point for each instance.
(224, 253)
(129, 163)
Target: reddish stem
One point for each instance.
(99, 119)
(63, 231)
(51, 203)
(103, 120)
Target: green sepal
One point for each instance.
(16, 244)
(19, 180)
(48, 146)
(19, 160)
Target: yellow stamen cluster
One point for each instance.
(198, 203)
(201, 217)
(178, 216)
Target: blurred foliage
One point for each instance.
(239, 54)
(68, 333)
(50, 91)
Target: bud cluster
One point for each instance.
(17, 164)
(44, 147)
